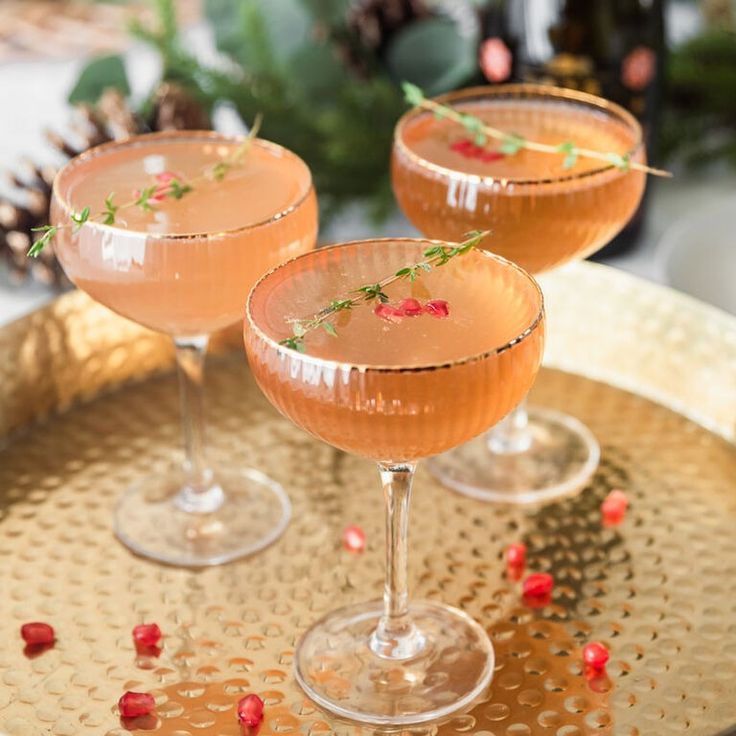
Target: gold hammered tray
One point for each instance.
(88, 404)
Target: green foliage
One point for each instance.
(259, 34)
(436, 256)
(700, 122)
(289, 63)
(433, 55)
(206, 85)
(310, 103)
(100, 74)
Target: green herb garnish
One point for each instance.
(146, 198)
(511, 143)
(435, 256)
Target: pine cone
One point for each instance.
(374, 21)
(370, 24)
(176, 109)
(110, 119)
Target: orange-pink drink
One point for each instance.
(186, 266)
(541, 214)
(392, 385)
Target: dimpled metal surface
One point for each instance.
(659, 590)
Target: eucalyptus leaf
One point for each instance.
(433, 55)
(259, 32)
(100, 74)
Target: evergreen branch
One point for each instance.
(512, 143)
(435, 256)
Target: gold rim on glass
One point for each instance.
(519, 91)
(368, 367)
(147, 138)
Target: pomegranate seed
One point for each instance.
(353, 539)
(619, 497)
(250, 711)
(37, 634)
(462, 146)
(613, 508)
(538, 589)
(595, 655)
(437, 308)
(133, 705)
(612, 517)
(389, 313)
(166, 177)
(538, 584)
(146, 635)
(516, 555)
(466, 147)
(410, 307)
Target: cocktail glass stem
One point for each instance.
(395, 636)
(395, 662)
(200, 493)
(512, 434)
(208, 517)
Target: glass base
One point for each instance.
(252, 511)
(339, 671)
(557, 462)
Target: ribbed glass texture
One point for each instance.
(188, 283)
(395, 400)
(541, 215)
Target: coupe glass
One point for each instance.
(541, 217)
(185, 269)
(395, 393)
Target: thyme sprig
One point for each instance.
(148, 197)
(434, 256)
(512, 143)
